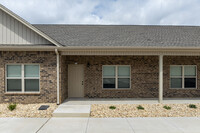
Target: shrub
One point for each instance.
(112, 107)
(140, 107)
(167, 107)
(12, 106)
(192, 106)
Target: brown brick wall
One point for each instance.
(180, 60)
(144, 75)
(63, 78)
(47, 61)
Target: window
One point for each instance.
(183, 76)
(116, 77)
(22, 78)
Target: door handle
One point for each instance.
(82, 82)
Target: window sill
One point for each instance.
(116, 89)
(183, 88)
(22, 93)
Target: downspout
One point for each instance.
(58, 86)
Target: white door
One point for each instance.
(75, 80)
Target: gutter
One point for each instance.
(27, 48)
(125, 48)
(58, 86)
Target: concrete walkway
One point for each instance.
(21, 125)
(100, 125)
(72, 111)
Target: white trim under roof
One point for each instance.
(6, 10)
(108, 50)
(131, 51)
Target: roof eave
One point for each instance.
(95, 48)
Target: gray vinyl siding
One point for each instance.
(14, 32)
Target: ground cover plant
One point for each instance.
(12, 106)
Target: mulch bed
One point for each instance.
(27, 110)
(150, 110)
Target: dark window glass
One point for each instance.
(109, 83)
(31, 84)
(190, 83)
(176, 83)
(123, 83)
(14, 85)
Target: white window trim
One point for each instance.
(183, 77)
(116, 77)
(22, 78)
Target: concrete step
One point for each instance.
(72, 111)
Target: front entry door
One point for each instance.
(75, 80)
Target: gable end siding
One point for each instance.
(14, 32)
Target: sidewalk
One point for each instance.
(21, 125)
(101, 125)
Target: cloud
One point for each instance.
(138, 12)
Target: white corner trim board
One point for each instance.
(160, 78)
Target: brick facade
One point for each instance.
(47, 62)
(144, 75)
(63, 79)
(180, 60)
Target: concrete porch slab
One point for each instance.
(89, 101)
(72, 111)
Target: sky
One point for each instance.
(119, 12)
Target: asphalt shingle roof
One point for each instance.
(123, 35)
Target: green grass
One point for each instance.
(140, 107)
(167, 107)
(12, 106)
(192, 106)
(112, 107)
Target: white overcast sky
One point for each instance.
(135, 12)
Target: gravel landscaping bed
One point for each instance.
(27, 110)
(150, 110)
